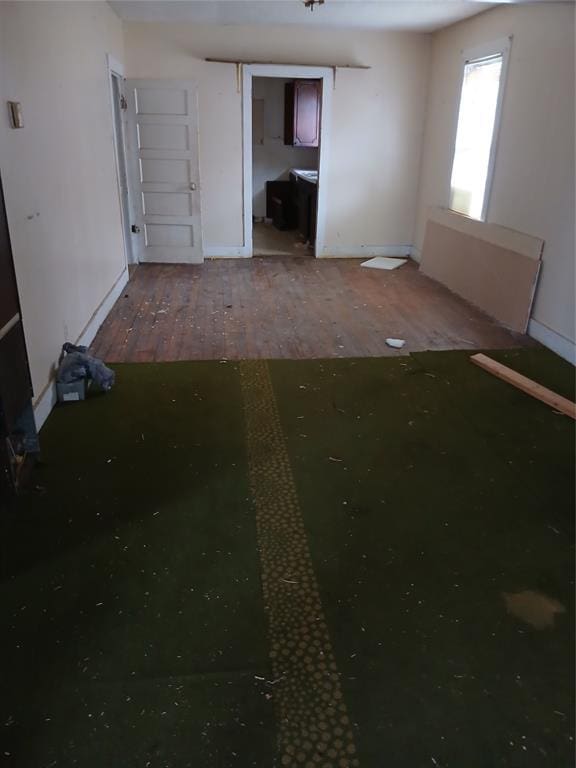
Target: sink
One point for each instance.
(305, 174)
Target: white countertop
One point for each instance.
(311, 176)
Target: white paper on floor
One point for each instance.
(383, 262)
(396, 343)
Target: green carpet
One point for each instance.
(135, 622)
(135, 629)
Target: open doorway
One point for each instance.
(285, 161)
(286, 111)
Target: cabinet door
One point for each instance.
(303, 113)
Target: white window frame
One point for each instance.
(495, 48)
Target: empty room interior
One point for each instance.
(287, 390)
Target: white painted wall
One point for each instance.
(58, 171)
(533, 186)
(272, 160)
(377, 124)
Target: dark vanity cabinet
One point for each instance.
(302, 113)
(305, 196)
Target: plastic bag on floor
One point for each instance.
(75, 364)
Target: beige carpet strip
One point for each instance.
(314, 729)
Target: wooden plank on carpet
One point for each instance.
(525, 384)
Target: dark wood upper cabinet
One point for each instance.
(302, 113)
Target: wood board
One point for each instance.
(497, 277)
(530, 387)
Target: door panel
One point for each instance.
(302, 101)
(162, 101)
(164, 170)
(176, 235)
(307, 113)
(167, 204)
(173, 138)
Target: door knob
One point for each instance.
(193, 187)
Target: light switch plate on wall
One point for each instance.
(15, 112)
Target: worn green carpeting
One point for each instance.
(134, 625)
(415, 498)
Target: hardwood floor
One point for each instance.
(285, 307)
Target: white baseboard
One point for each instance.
(553, 340)
(363, 251)
(416, 254)
(328, 252)
(226, 252)
(47, 398)
(44, 404)
(89, 333)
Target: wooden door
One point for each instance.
(164, 170)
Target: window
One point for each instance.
(477, 129)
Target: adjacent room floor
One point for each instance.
(286, 307)
(269, 241)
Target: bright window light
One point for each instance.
(475, 135)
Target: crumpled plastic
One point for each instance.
(74, 364)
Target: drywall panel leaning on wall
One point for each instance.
(493, 267)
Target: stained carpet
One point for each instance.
(319, 563)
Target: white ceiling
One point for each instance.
(416, 15)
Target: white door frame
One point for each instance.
(116, 69)
(326, 74)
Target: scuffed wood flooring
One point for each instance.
(284, 307)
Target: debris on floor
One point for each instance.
(533, 607)
(76, 369)
(383, 262)
(395, 343)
